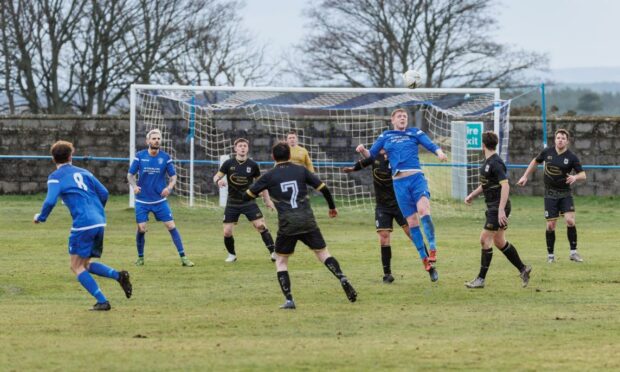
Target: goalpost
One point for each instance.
(199, 125)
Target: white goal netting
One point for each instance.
(199, 126)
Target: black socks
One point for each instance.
(333, 266)
(285, 284)
(550, 236)
(229, 242)
(386, 258)
(513, 256)
(571, 233)
(486, 255)
(267, 239)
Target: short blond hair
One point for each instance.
(153, 131)
(400, 109)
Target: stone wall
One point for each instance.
(596, 142)
(33, 135)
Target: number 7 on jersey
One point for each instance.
(285, 186)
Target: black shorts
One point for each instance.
(250, 211)
(385, 216)
(556, 207)
(492, 222)
(285, 244)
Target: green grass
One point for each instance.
(225, 317)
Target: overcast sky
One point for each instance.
(574, 33)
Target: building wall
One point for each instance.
(596, 141)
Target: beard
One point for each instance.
(154, 147)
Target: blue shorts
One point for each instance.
(161, 211)
(409, 190)
(87, 243)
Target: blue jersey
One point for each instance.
(81, 192)
(402, 148)
(151, 172)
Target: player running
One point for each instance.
(410, 186)
(386, 207)
(151, 165)
(494, 185)
(559, 163)
(287, 185)
(240, 172)
(85, 197)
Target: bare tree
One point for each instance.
(39, 32)
(55, 29)
(6, 58)
(82, 55)
(102, 67)
(457, 49)
(371, 42)
(19, 21)
(217, 50)
(154, 37)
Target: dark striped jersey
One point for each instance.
(557, 167)
(492, 175)
(239, 175)
(287, 184)
(381, 180)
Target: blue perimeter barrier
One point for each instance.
(316, 164)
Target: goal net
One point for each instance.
(200, 124)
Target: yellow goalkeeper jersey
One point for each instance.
(300, 156)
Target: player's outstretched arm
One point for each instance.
(581, 176)
(358, 165)
(429, 145)
(470, 198)
(530, 169)
(363, 151)
(333, 212)
(257, 188)
(53, 191)
(441, 155)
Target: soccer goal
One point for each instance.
(199, 125)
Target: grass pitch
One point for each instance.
(218, 316)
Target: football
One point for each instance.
(412, 79)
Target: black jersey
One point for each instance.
(287, 185)
(557, 168)
(381, 180)
(239, 175)
(492, 175)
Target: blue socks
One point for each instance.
(87, 281)
(140, 243)
(176, 238)
(418, 241)
(429, 231)
(100, 269)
